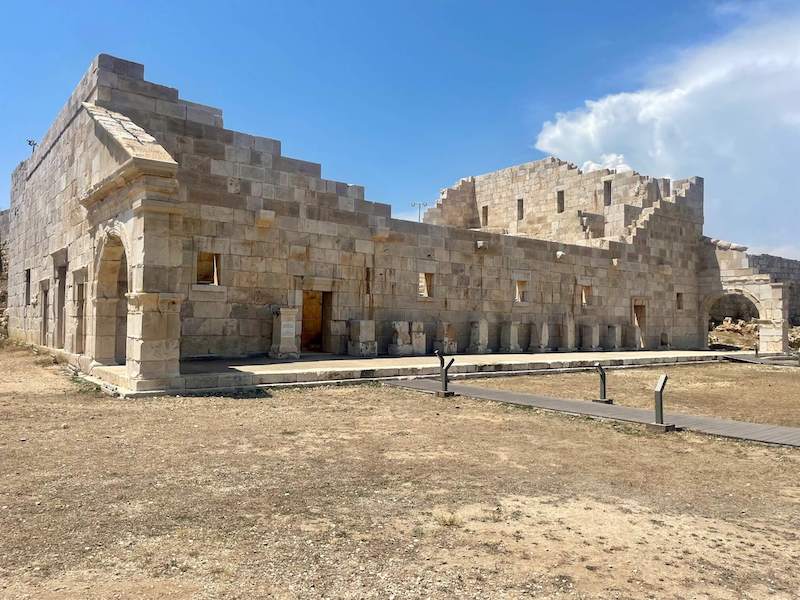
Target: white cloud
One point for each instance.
(727, 111)
(607, 161)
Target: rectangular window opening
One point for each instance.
(425, 285)
(208, 268)
(560, 201)
(520, 291)
(27, 287)
(485, 216)
(520, 209)
(586, 295)
(679, 300)
(607, 193)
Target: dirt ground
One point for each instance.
(372, 492)
(756, 393)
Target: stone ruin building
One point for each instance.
(142, 232)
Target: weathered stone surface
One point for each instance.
(142, 232)
(445, 340)
(479, 337)
(509, 337)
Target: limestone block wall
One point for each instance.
(48, 230)
(784, 270)
(456, 207)
(4, 224)
(554, 200)
(257, 211)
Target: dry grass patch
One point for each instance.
(369, 492)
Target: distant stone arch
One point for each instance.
(742, 303)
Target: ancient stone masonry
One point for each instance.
(4, 223)
(142, 232)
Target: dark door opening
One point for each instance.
(311, 331)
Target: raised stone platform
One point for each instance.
(224, 376)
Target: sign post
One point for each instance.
(659, 426)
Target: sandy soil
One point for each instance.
(371, 492)
(756, 393)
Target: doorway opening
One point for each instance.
(640, 321)
(60, 308)
(316, 316)
(45, 315)
(80, 317)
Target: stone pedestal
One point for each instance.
(401, 340)
(568, 334)
(590, 337)
(509, 337)
(362, 339)
(445, 341)
(544, 337)
(418, 339)
(284, 334)
(614, 341)
(479, 337)
(153, 347)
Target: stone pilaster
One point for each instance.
(614, 341)
(590, 336)
(509, 337)
(544, 337)
(154, 335)
(479, 337)
(568, 334)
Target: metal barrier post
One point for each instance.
(602, 372)
(659, 425)
(444, 392)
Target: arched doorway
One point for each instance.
(732, 321)
(111, 303)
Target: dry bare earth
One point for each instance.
(370, 492)
(755, 393)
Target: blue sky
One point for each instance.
(405, 98)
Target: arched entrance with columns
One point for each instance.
(110, 302)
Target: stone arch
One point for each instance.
(741, 295)
(110, 288)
